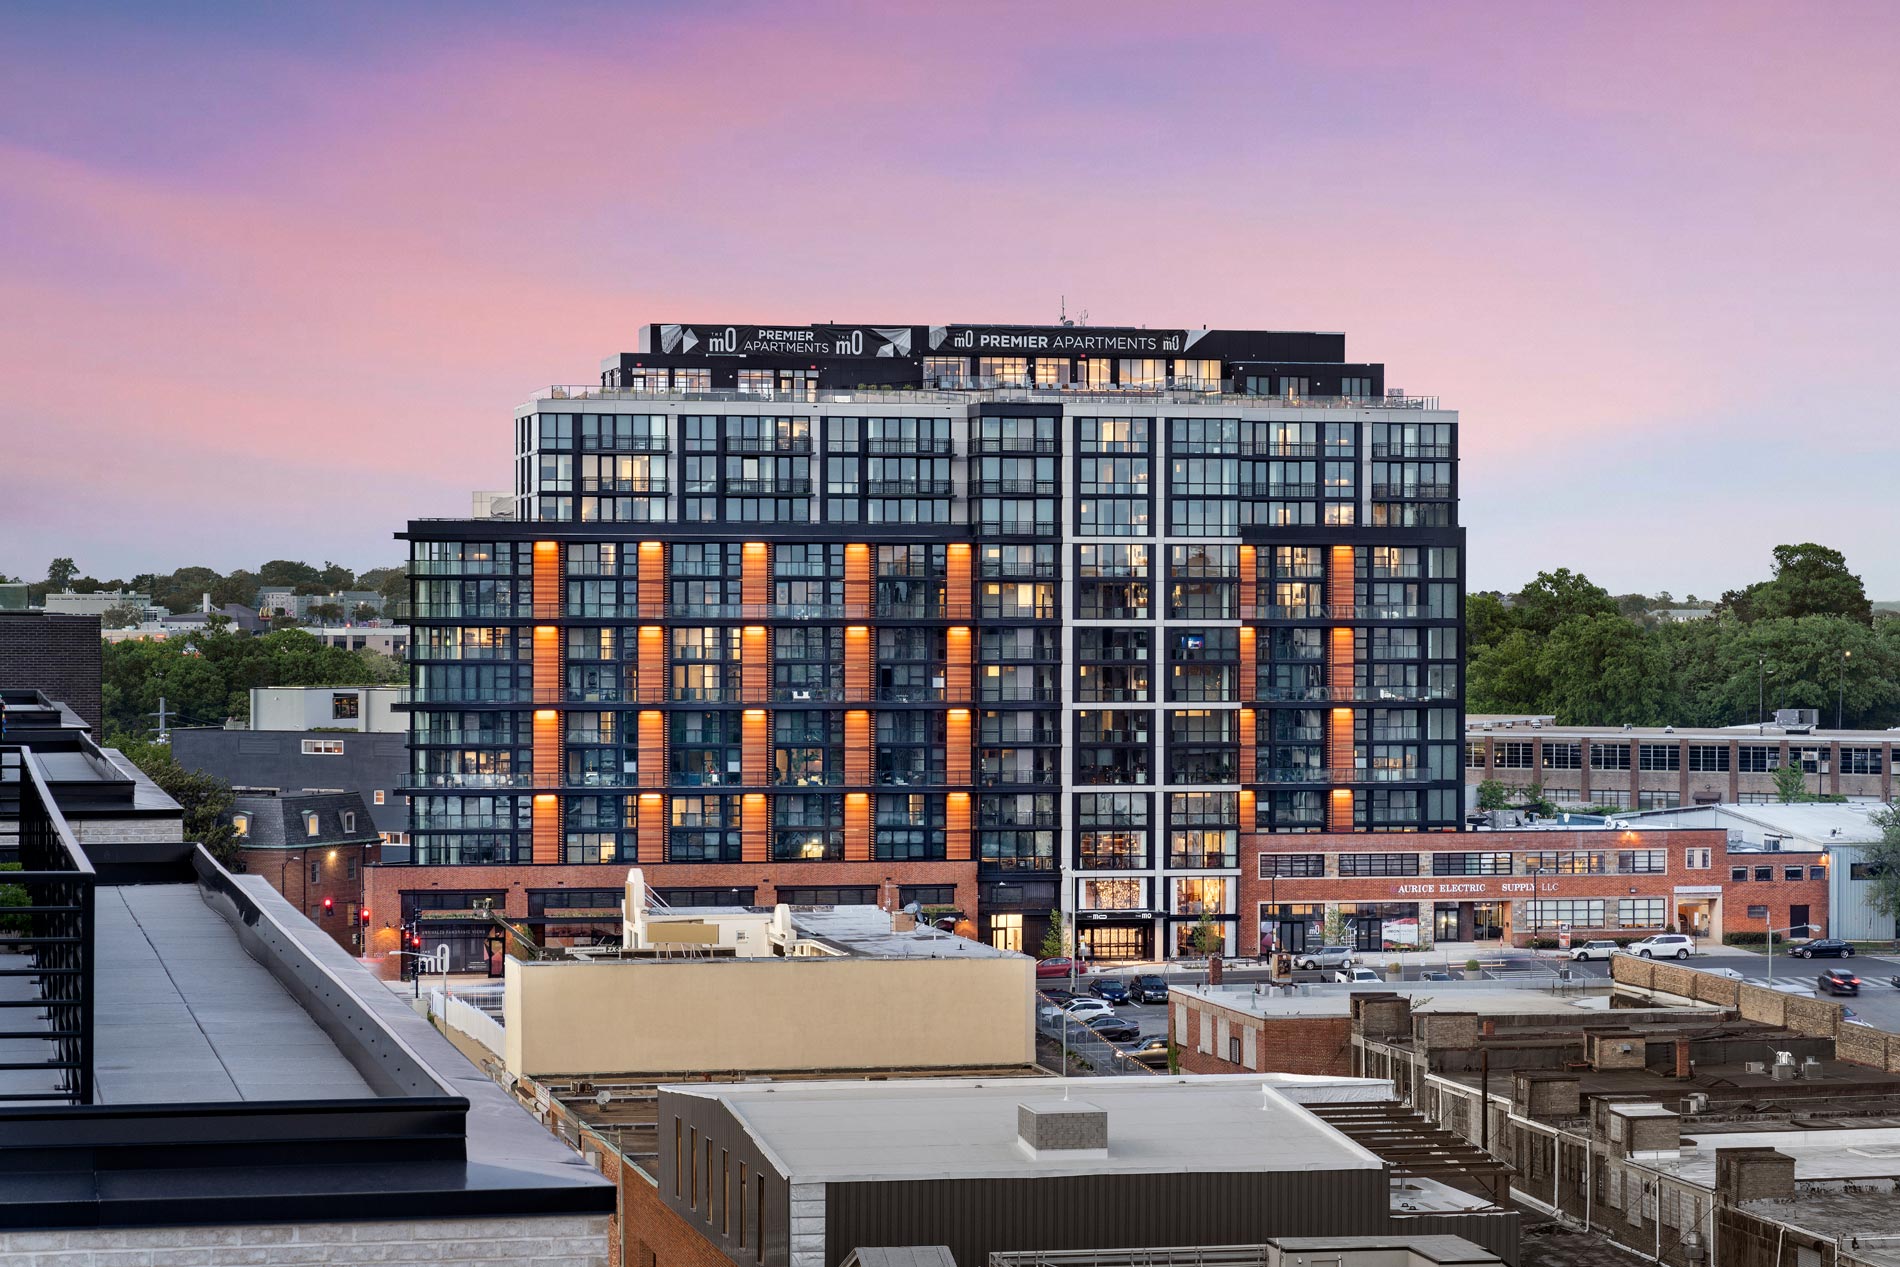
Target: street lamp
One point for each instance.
(1840, 698)
(1537, 914)
(1761, 695)
(1771, 942)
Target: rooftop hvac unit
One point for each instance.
(1810, 1068)
(1797, 721)
(1756, 1066)
(1697, 1102)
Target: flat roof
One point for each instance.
(842, 1132)
(1811, 820)
(1542, 725)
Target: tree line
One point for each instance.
(184, 589)
(1806, 637)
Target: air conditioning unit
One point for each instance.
(1696, 1102)
(1756, 1066)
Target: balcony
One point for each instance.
(933, 447)
(767, 488)
(1014, 444)
(909, 488)
(1302, 776)
(1387, 451)
(599, 484)
(1277, 491)
(987, 694)
(1011, 488)
(1411, 492)
(628, 444)
(766, 444)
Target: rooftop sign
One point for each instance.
(907, 341)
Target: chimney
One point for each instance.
(1543, 1094)
(1752, 1174)
(1059, 1130)
(1623, 1050)
(1682, 1058)
(1382, 1015)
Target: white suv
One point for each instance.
(1664, 946)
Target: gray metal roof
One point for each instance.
(277, 822)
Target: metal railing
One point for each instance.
(1389, 451)
(979, 389)
(1406, 492)
(46, 940)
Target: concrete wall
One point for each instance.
(312, 708)
(552, 1241)
(1293, 1044)
(684, 1016)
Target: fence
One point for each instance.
(1102, 1056)
(470, 1020)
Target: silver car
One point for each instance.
(1324, 957)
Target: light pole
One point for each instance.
(1771, 943)
(1761, 695)
(1537, 914)
(1840, 686)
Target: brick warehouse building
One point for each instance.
(1512, 885)
(937, 614)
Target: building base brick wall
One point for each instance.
(549, 1241)
(288, 871)
(1293, 1044)
(57, 655)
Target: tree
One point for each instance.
(362, 612)
(1207, 938)
(1508, 677)
(120, 616)
(1603, 670)
(335, 576)
(1055, 942)
(290, 572)
(60, 573)
(1487, 620)
(206, 800)
(326, 613)
(1882, 858)
(1555, 597)
(1791, 784)
(1809, 580)
(1493, 795)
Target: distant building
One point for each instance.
(343, 739)
(68, 603)
(57, 654)
(1671, 615)
(1662, 767)
(389, 640)
(312, 847)
(13, 596)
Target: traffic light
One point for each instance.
(366, 917)
(415, 942)
(329, 905)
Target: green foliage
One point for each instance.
(1055, 942)
(1750, 939)
(1333, 927)
(207, 677)
(1883, 857)
(60, 573)
(122, 616)
(1206, 937)
(1791, 784)
(1493, 795)
(205, 799)
(14, 895)
(1800, 645)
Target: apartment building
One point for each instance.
(943, 614)
(1663, 767)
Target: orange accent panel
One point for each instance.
(956, 745)
(1339, 740)
(547, 664)
(547, 828)
(1339, 673)
(1339, 578)
(958, 596)
(652, 578)
(652, 748)
(547, 747)
(857, 746)
(1248, 740)
(755, 828)
(755, 749)
(652, 664)
(547, 577)
(755, 573)
(1339, 810)
(1249, 662)
(857, 662)
(1249, 811)
(755, 665)
(1249, 580)
(857, 827)
(956, 672)
(857, 579)
(652, 819)
(956, 814)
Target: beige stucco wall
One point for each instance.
(567, 1017)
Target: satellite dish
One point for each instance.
(604, 1098)
(912, 908)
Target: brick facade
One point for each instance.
(58, 656)
(341, 877)
(552, 1241)
(1680, 887)
(1205, 1036)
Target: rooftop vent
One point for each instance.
(1062, 1129)
(1797, 721)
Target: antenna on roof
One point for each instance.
(1063, 316)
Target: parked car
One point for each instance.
(1148, 988)
(1838, 981)
(1324, 957)
(1116, 1029)
(1083, 1008)
(1852, 1017)
(1436, 974)
(1058, 997)
(1593, 950)
(1824, 948)
(1057, 967)
(1152, 1053)
(1664, 946)
(1109, 990)
(1356, 975)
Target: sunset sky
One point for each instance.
(274, 283)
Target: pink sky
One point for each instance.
(273, 290)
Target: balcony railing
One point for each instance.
(1335, 611)
(1014, 444)
(1411, 492)
(909, 488)
(46, 945)
(979, 390)
(1010, 488)
(1279, 490)
(601, 484)
(631, 444)
(1388, 451)
(767, 444)
(933, 447)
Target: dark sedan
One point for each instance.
(1148, 988)
(1109, 990)
(1824, 948)
(1838, 981)
(1115, 1029)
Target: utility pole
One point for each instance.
(164, 715)
(1840, 699)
